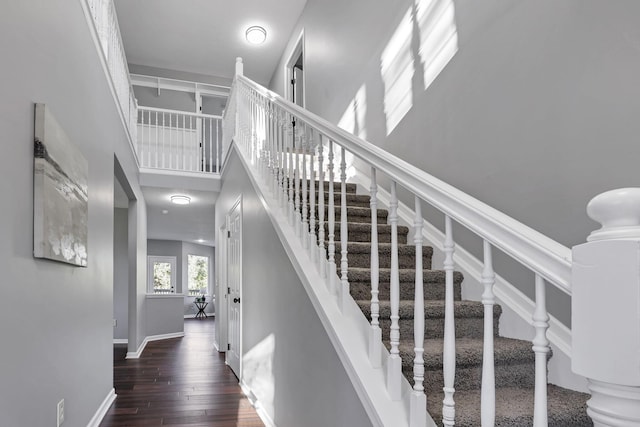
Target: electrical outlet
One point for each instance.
(115, 322)
(60, 413)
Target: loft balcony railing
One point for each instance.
(291, 166)
(179, 141)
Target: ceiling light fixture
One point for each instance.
(256, 34)
(180, 200)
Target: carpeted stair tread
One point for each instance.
(357, 214)
(469, 318)
(361, 232)
(362, 200)
(507, 351)
(359, 255)
(514, 407)
(432, 309)
(362, 274)
(351, 188)
(514, 362)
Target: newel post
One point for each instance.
(239, 67)
(606, 309)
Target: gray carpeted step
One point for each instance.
(359, 255)
(361, 232)
(514, 407)
(355, 214)
(514, 361)
(469, 317)
(362, 200)
(351, 188)
(434, 288)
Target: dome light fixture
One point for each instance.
(180, 199)
(256, 34)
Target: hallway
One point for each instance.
(179, 382)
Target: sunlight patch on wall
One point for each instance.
(436, 20)
(397, 68)
(425, 41)
(354, 118)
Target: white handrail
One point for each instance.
(544, 256)
(180, 112)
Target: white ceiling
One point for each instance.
(200, 37)
(205, 36)
(189, 223)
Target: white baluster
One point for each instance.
(164, 132)
(157, 149)
(304, 235)
(375, 334)
(296, 176)
(332, 225)
(218, 154)
(449, 355)
(488, 391)
(282, 192)
(290, 175)
(344, 233)
(322, 254)
(183, 166)
(394, 365)
(191, 160)
(541, 349)
(418, 404)
(312, 200)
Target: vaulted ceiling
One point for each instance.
(205, 36)
(200, 37)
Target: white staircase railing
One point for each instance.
(178, 140)
(292, 147)
(105, 22)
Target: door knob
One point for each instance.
(236, 300)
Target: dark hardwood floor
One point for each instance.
(179, 382)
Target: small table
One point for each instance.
(201, 305)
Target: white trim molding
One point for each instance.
(136, 354)
(253, 399)
(102, 409)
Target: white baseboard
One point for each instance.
(264, 416)
(120, 341)
(102, 409)
(136, 354)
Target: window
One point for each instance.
(161, 275)
(198, 274)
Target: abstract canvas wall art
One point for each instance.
(60, 190)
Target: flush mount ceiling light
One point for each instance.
(256, 34)
(180, 200)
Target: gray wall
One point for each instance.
(66, 340)
(289, 362)
(170, 99)
(120, 274)
(535, 114)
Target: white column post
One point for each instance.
(344, 232)
(606, 308)
(488, 388)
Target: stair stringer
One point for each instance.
(516, 320)
(348, 330)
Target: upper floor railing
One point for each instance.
(105, 22)
(297, 160)
(179, 141)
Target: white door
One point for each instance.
(234, 278)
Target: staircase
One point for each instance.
(514, 359)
